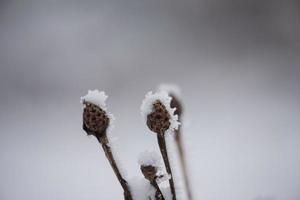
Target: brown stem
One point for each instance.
(183, 162)
(163, 149)
(158, 194)
(109, 155)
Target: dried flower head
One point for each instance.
(159, 120)
(149, 172)
(95, 120)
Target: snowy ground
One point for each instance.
(240, 82)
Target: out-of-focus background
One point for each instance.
(236, 61)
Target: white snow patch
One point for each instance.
(141, 189)
(165, 99)
(165, 177)
(166, 192)
(95, 97)
(148, 158)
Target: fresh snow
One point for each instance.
(95, 97)
(165, 99)
(141, 189)
(148, 158)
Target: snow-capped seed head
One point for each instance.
(95, 120)
(148, 111)
(158, 120)
(149, 172)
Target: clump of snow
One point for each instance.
(150, 158)
(166, 192)
(163, 178)
(95, 97)
(165, 99)
(170, 89)
(141, 189)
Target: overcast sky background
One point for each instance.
(237, 62)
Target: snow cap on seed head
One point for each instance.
(95, 97)
(150, 164)
(162, 100)
(148, 158)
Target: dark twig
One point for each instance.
(175, 103)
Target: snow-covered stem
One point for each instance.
(158, 194)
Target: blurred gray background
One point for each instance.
(237, 62)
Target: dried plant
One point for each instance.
(158, 122)
(162, 112)
(96, 122)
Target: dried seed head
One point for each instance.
(159, 120)
(95, 120)
(175, 103)
(149, 172)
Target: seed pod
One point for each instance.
(95, 120)
(159, 120)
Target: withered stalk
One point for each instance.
(175, 103)
(108, 153)
(179, 144)
(158, 194)
(163, 149)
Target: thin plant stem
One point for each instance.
(158, 195)
(103, 140)
(163, 149)
(183, 162)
